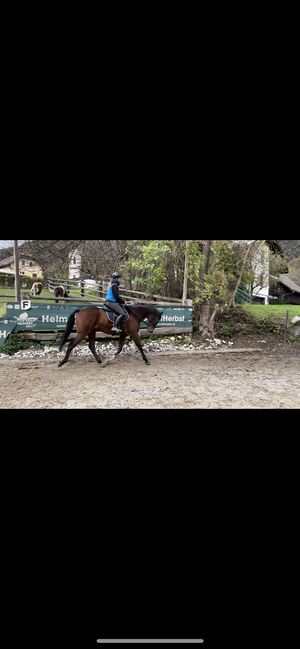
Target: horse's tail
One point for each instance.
(70, 325)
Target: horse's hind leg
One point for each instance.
(71, 346)
(92, 340)
(138, 343)
(121, 344)
(108, 361)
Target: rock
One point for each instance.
(295, 319)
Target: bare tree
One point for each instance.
(98, 257)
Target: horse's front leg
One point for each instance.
(138, 343)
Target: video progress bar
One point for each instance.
(150, 641)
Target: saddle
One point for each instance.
(112, 315)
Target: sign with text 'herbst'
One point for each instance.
(53, 317)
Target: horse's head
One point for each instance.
(153, 319)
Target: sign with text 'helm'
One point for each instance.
(53, 317)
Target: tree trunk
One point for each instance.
(208, 316)
(205, 312)
(206, 253)
(17, 272)
(186, 272)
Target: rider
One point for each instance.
(114, 302)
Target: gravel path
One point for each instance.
(184, 379)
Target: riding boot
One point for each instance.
(118, 324)
(115, 329)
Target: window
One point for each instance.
(31, 264)
(34, 275)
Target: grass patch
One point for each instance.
(9, 294)
(270, 311)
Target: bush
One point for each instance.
(237, 319)
(236, 315)
(13, 344)
(267, 326)
(294, 339)
(226, 330)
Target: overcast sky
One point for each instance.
(5, 243)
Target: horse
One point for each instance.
(60, 291)
(36, 288)
(88, 320)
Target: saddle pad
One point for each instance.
(112, 316)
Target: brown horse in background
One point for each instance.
(91, 319)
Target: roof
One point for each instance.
(290, 248)
(289, 283)
(10, 260)
(6, 261)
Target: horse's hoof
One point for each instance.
(147, 363)
(104, 364)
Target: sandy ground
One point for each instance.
(240, 380)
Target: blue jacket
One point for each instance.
(112, 294)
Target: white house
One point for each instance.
(75, 265)
(260, 261)
(261, 269)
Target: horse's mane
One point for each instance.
(142, 310)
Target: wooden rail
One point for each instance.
(161, 331)
(79, 284)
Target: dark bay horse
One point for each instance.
(91, 319)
